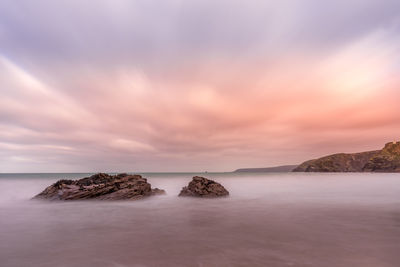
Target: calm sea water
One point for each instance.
(291, 219)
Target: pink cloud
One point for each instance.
(211, 113)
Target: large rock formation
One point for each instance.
(385, 160)
(203, 187)
(337, 163)
(100, 186)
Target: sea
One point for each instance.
(269, 219)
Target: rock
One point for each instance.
(384, 160)
(387, 160)
(337, 163)
(203, 187)
(100, 186)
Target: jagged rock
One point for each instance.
(203, 187)
(100, 186)
(337, 163)
(387, 160)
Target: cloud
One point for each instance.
(194, 85)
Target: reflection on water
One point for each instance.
(269, 220)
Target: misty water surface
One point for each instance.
(271, 220)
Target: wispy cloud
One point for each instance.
(194, 85)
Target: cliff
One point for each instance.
(385, 160)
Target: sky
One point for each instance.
(194, 85)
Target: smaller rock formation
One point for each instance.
(203, 187)
(100, 186)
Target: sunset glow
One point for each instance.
(123, 86)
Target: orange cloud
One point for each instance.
(216, 115)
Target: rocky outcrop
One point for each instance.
(203, 187)
(337, 163)
(100, 186)
(385, 160)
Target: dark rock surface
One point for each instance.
(203, 187)
(100, 186)
(337, 163)
(385, 160)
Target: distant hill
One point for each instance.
(385, 160)
(285, 168)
